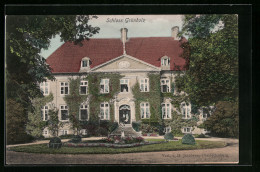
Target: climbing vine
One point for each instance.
(153, 97)
(96, 97)
(35, 123)
(74, 100)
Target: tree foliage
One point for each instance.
(25, 68)
(213, 71)
(224, 122)
(54, 123)
(212, 77)
(35, 123)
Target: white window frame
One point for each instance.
(63, 86)
(45, 112)
(124, 82)
(64, 132)
(83, 84)
(104, 83)
(84, 61)
(167, 110)
(145, 108)
(45, 86)
(186, 128)
(103, 110)
(168, 84)
(186, 110)
(144, 85)
(83, 106)
(83, 132)
(64, 107)
(168, 128)
(45, 132)
(165, 61)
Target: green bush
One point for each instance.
(188, 139)
(76, 139)
(55, 143)
(136, 126)
(112, 126)
(201, 136)
(168, 136)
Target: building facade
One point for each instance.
(147, 68)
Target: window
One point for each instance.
(165, 61)
(144, 85)
(83, 112)
(165, 85)
(44, 113)
(145, 110)
(84, 87)
(167, 129)
(187, 130)
(45, 132)
(205, 113)
(166, 110)
(64, 88)
(44, 87)
(104, 86)
(85, 62)
(124, 85)
(64, 132)
(185, 111)
(83, 132)
(64, 112)
(104, 111)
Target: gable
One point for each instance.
(125, 63)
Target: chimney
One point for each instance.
(123, 34)
(175, 31)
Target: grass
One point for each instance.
(169, 146)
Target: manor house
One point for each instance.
(134, 59)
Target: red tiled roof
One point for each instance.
(67, 58)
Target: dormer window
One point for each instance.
(85, 64)
(165, 61)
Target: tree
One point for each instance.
(213, 68)
(212, 77)
(15, 119)
(25, 37)
(224, 122)
(35, 124)
(54, 123)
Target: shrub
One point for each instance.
(136, 126)
(92, 128)
(76, 139)
(201, 136)
(188, 139)
(112, 126)
(55, 143)
(168, 136)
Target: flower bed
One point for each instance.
(150, 134)
(113, 145)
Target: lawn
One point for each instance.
(169, 146)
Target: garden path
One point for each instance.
(228, 154)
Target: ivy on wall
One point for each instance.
(153, 97)
(35, 123)
(96, 97)
(74, 100)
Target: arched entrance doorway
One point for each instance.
(124, 114)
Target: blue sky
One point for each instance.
(153, 26)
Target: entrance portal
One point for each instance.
(124, 114)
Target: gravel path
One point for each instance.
(228, 154)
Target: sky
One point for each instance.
(137, 25)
